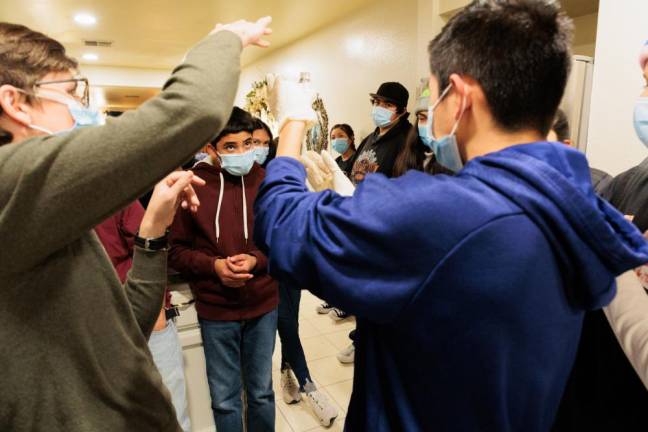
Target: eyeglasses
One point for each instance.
(80, 92)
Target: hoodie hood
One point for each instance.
(208, 166)
(552, 184)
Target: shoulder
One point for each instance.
(451, 204)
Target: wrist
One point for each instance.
(149, 229)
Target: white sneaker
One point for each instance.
(323, 409)
(347, 355)
(289, 387)
(324, 308)
(338, 314)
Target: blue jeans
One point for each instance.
(167, 355)
(238, 355)
(292, 352)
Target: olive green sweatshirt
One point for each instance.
(73, 339)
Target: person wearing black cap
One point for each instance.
(378, 151)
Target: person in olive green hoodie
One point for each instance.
(74, 340)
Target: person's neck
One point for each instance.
(347, 154)
(18, 133)
(495, 140)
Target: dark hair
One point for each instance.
(26, 57)
(412, 157)
(347, 130)
(259, 124)
(517, 50)
(239, 121)
(561, 126)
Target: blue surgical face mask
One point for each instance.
(424, 135)
(261, 154)
(445, 148)
(200, 156)
(641, 119)
(238, 164)
(82, 116)
(382, 117)
(340, 145)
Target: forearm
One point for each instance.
(627, 316)
(53, 189)
(191, 262)
(145, 287)
(290, 139)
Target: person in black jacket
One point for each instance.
(378, 151)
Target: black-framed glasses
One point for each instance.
(80, 92)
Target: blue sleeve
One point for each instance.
(354, 252)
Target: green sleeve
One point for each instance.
(55, 188)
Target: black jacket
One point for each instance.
(377, 154)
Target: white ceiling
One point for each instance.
(156, 33)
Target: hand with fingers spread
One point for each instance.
(228, 277)
(251, 33)
(173, 191)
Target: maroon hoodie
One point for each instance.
(194, 248)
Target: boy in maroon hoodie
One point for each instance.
(236, 299)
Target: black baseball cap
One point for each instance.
(393, 92)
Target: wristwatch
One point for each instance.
(152, 244)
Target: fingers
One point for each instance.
(329, 161)
(263, 23)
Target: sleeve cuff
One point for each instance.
(262, 262)
(149, 265)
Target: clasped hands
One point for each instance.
(236, 270)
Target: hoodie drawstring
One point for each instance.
(220, 203)
(245, 223)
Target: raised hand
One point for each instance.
(173, 191)
(251, 33)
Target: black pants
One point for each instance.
(292, 352)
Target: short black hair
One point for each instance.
(239, 121)
(260, 124)
(519, 53)
(561, 126)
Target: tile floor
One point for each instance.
(322, 338)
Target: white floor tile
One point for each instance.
(329, 371)
(318, 347)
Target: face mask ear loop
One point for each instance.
(431, 111)
(463, 109)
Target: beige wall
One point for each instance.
(350, 59)
(613, 144)
(585, 35)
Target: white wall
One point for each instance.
(350, 59)
(613, 145)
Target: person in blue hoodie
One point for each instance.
(470, 290)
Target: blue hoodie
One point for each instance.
(470, 290)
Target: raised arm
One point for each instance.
(55, 188)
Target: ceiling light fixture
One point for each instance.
(90, 57)
(85, 19)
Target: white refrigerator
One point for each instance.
(576, 101)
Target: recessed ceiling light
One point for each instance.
(90, 57)
(85, 19)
